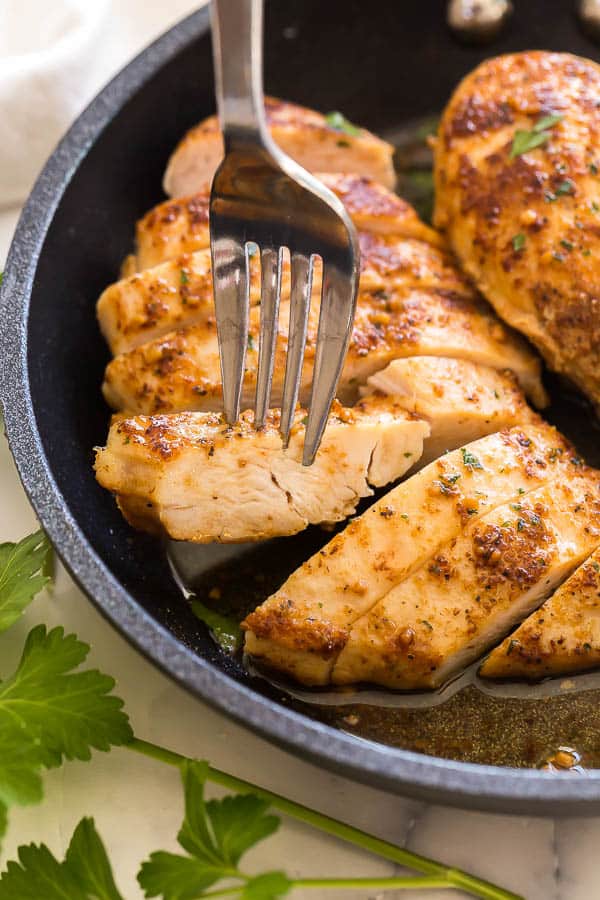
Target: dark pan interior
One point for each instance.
(381, 63)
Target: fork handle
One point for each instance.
(237, 32)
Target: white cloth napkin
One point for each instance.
(53, 58)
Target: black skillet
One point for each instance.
(382, 63)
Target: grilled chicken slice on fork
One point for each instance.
(261, 196)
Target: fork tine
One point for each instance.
(270, 293)
(231, 281)
(338, 301)
(300, 295)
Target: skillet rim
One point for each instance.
(435, 779)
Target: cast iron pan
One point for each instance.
(382, 64)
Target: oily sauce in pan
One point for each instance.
(555, 724)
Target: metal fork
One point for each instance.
(261, 196)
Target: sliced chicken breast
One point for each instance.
(462, 401)
(518, 194)
(319, 143)
(179, 292)
(303, 627)
(181, 226)
(476, 588)
(197, 479)
(150, 304)
(181, 370)
(562, 637)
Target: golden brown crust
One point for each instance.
(526, 228)
(181, 226)
(561, 637)
(181, 370)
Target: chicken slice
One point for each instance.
(181, 370)
(476, 588)
(177, 289)
(303, 627)
(176, 293)
(562, 637)
(310, 138)
(517, 171)
(149, 304)
(181, 226)
(462, 401)
(197, 479)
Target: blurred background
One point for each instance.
(54, 57)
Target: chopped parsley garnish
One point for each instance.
(250, 342)
(539, 135)
(225, 630)
(518, 241)
(565, 187)
(470, 460)
(184, 277)
(567, 245)
(593, 168)
(339, 122)
(427, 624)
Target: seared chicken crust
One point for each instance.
(181, 225)
(396, 249)
(562, 637)
(302, 628)
(198, 479)
(181, 370)
(522, 212)
(305, 135)
(475, 588)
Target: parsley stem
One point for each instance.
(386, 884)
(456, 878)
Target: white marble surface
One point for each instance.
(137, 803)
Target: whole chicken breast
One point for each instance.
(319, 143)
(198, 479)
(302, 628)
(517, 175)
(560, 638)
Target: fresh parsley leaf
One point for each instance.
(38, 875)
(268, 886)
(539, 135)
(518, 242)
(84, 875)
(68, 712)
(340, 123)
(175, 877)
(215, 834)
(238, 823)
(1, 278)
(49, 713)
(88, 863)
(226, 631)
(22, 575)
(524, 141)
(470, 460)
(547, 122)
